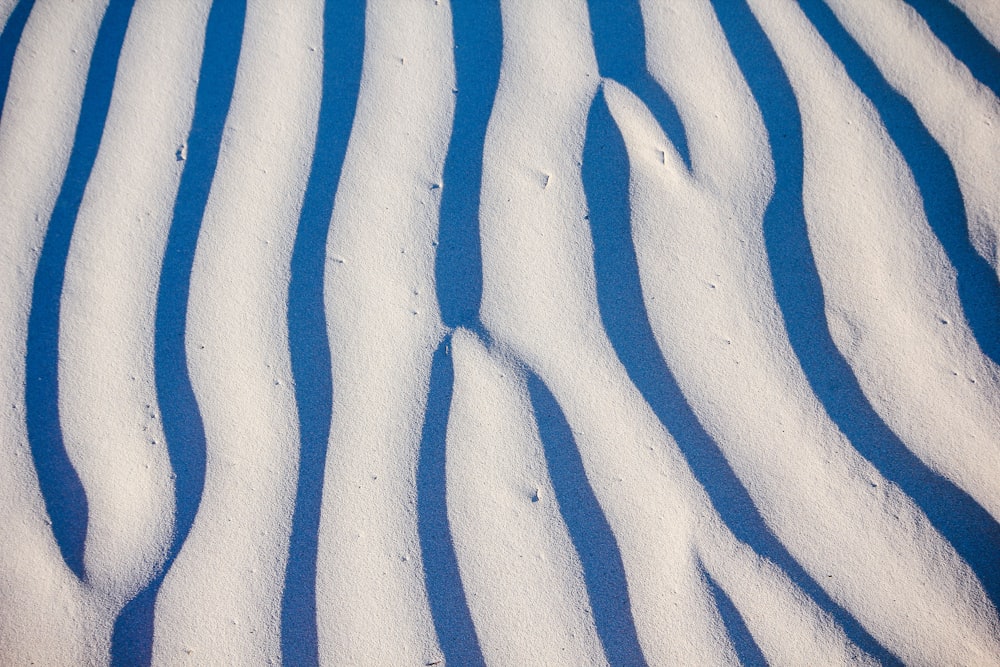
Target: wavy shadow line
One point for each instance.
(978, 284)
(747, 651)
(595, 543)
(963, 39)
(309, 346)
(799, 292)
(64, 495)
(623, 313)
(619, 41)
(458, 273)
(446, 594)
(9, 39)
(132, 638)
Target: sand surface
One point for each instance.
(411, 332)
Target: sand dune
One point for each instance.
(558, 333)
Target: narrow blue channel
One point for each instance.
(62, 491)
(589, 530)
(309, 346)
(446, 594)
(9, 39)
(132, 638)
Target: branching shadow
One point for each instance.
(446, 594)
(477, 32)
(309, 346)
(64, 495)
(620, 45)
(132, 639)
(9, 39)
(603, 571)
(623, 312)
(969, 528)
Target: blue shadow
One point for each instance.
(9, 39)
(449, 609)
(970, 529)
(309, 346)
(620, 45)
(978, 286)
(65, 499)
(747, 650)
(603, 571)
(478, 37)
(132, 639)
(957, 32)
(619, 294)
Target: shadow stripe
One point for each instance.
(458, 272)
(309, 346)
(747, 651)
(9, 39)
(64, 495)
(132, 638)
(963, 39)
(595, 543)
(445, 592)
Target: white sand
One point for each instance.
(802, 547)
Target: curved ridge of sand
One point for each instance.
(690, 373)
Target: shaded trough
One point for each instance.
(132, 639)
(64, 496)
(970, 529)
(619, 294)
(309, 346)
(9, 39)
(595, 544)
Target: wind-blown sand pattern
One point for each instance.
(517, 333)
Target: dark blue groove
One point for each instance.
(478, 36)
(132, 640)
(343, 47)
(970, 529)
(446, 594)
(620, 300)
(957, 32)
(978, 285)
(9, 39)
(620, 45)
(65, 499)
(589, 530)
(747, 651)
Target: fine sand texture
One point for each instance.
(510, 332)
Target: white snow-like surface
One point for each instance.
(532, 333)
